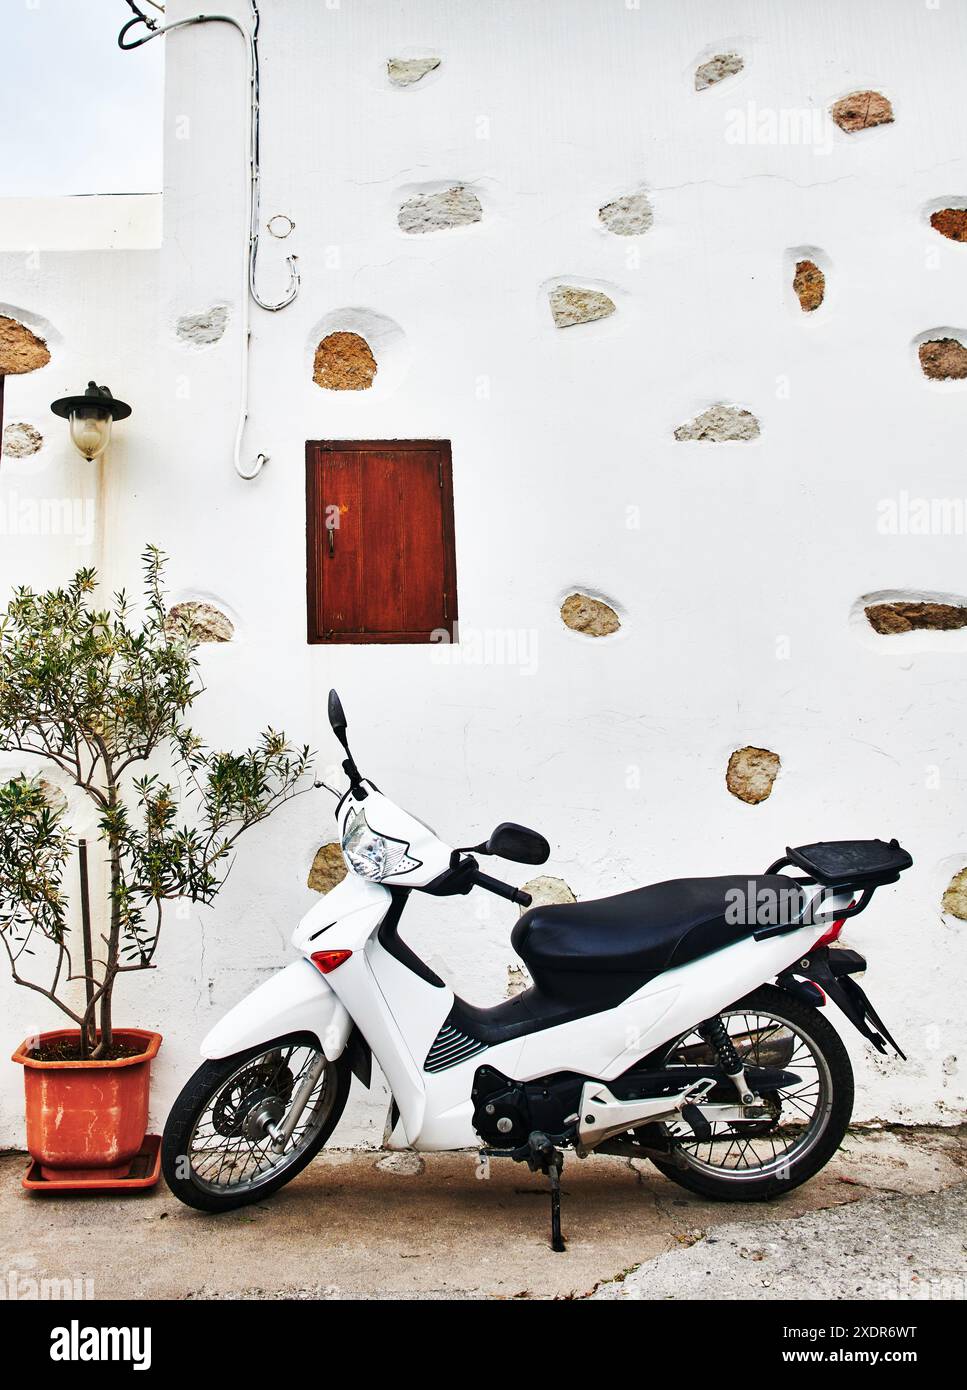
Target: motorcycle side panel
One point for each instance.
(296, 1000)
(662, 1009)
(360, 990)
(348, 918)
(604, 1045)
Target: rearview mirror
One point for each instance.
(516, 842)
(337, 718)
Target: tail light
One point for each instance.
(327, 961)
(832, 933)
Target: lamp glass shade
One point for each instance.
(91, 431)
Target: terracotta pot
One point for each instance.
(87, 1115)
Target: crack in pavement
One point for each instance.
(892, 1247)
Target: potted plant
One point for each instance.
(101, 695)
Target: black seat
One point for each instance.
(608, 948)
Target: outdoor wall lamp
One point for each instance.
(91, 417)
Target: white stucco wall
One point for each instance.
(126, 222)
(736, 587)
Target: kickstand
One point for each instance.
(557, 1240)
(544, 1158)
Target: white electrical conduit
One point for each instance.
(250, 38)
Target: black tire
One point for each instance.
(191, 1105)
(769, 999)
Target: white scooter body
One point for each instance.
(399, 1013)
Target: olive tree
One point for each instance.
(102, 694)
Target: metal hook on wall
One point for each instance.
(250, 287)
(255, 161)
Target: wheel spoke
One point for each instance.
(742, 1149)
(231, 1149)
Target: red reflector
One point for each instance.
(832, 934)
(325, 961)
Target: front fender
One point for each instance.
(296, 1000)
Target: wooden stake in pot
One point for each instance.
(89, 1037)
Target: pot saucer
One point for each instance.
(145, 1171)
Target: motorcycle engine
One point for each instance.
(506, 1112)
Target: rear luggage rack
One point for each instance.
(849, 863)
(840, 866)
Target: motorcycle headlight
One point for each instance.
(371, 855)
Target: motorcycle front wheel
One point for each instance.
(758, 1160)
(218, 1152)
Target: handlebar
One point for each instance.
(502, 890)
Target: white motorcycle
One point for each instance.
(678, 1022)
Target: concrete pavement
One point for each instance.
(890, 1248)
(359, 1224)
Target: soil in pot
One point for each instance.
(68, 1049)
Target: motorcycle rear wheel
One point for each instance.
(760, 1161)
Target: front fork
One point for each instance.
(281, 1134)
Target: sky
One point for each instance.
(76, 114)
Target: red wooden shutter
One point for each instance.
(381, 564)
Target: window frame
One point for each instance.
(315, 451)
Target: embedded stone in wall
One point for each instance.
(954, 899)
(571, 305)
(720, 424)
(809, 282)
(206, 622)
(201, 330)
(717, 69)
(888, 618)
(589, 615)
(943, 359)
(517, 980)
(434, 212)
(751, 773)
(627, 216)
(21, 440)
(55, 796)
(20, 350)
(328, 868)
(403, 72)
(861, 111)
(546, 890)
(344, 362)
(950, 222)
